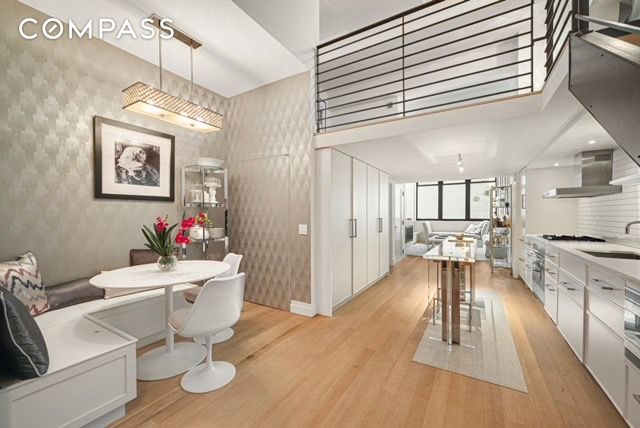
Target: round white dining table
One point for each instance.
(173, 358)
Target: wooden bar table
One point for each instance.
(454, 255)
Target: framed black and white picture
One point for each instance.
(132, 162)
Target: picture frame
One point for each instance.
(131, 162)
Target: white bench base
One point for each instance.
(92, 370)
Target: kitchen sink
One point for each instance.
(614, 254)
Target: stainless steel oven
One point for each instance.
(632, 316)
(537, 271)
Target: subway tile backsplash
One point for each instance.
(608, 215)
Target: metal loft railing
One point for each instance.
(560, 25)
(437, 55)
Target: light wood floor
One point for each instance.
(356, 369)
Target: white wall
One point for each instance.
(608, 215)
(553, 216)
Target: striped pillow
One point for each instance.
(22, 278)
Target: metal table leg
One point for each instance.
(457, 273)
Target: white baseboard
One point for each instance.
(304, 309)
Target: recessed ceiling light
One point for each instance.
(592, 141)
(556, 164)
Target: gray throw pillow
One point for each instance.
(23, 351)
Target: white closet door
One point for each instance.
(340, 227)
(360, 276)
(373, 224)
(384, 224)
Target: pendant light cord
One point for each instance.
(160, 57)
(191, 60)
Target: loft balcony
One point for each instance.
(440, 55)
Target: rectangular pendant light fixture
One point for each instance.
(145, 99)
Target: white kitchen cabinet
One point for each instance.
(571, 315)
(359, 213)
(385, 224)
(608, 312)
(340, 227)
(604, 357)
(632, 394)
(373, 224)
(551, 298)
(352, 224)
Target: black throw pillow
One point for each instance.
(23, 351)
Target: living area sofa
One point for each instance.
(481, 230)
(92, 345)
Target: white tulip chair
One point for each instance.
(190, 295)
(217, 307)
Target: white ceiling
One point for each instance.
(575, 140)
(488, 148)
(293, 23)
(237, 55)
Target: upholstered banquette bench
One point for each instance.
(92, 345)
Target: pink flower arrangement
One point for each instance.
(160, 239)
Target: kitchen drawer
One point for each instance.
(551, 255)
(632, 400)
(551, 270)
(551, 298)
(574, 266)
(571, 320)
(608, 312)
(611, 286)
(604, 357)
(572, 286)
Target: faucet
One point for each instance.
(628, 226)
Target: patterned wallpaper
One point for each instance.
(608, 215)
(269, 135)
(49, 93)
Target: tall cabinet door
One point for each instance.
(384, 224)
(359, 213)
(340, 227)
(373, 224)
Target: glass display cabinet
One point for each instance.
(500, 231)
(205, 189)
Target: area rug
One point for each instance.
(487, 352)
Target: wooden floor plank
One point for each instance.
(356, 369)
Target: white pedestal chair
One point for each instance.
(190, 295)
(217, 307)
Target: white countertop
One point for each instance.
(626, 269)
(453, 250)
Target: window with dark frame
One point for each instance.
(466, 200)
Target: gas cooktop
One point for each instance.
(583, 238)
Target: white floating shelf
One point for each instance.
(627, 179)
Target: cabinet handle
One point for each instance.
(521, 259)
(550, 288)
(354, 228)
(637, 398)
(606, 286)
(379, 224)
(553, 256)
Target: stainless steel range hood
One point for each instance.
(596, 171)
